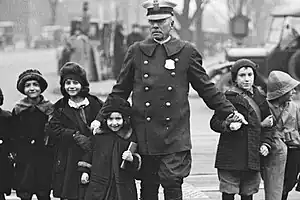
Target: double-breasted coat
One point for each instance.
(239, 150)
(62, 126)
(6, 166)
(161, 111)
(34, 159)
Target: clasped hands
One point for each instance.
(235, 120)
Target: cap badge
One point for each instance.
(155, 5)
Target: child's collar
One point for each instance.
(78, 105)
(44, 105)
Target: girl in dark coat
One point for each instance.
(69, 128)
(101, 167)
(6, 166)
(34, 158)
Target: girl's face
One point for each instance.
(72, 87)
(32, 89)
(115, 121)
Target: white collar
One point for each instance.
(164, 41)
(83, 103)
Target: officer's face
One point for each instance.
(245, 78)
(160, 29)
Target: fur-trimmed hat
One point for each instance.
(115, 104)
(279, 83)
(242, 63)
(31, 74)
(72, 70)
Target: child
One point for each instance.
(69, 127)
(280, 90)
(240, 146)
(101, 167)
(6, 167)
(34, 159)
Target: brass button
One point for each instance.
(168, 104)
(146, 75)
(173, 73)
(170, 88)
(168, 119)
(32, 141)
(1, 141)
(147, 88)
(146, 62)
(148, 119)
(147, 104)
(176, 59)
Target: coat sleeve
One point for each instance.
(85, 163)
(218, 124)
(267, 132)
(56, 130)
(200, 82)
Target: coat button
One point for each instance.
(148, 119)
(1, 141)
(173, 73)
(146, 88)
(176, 59)
(146, 75)
(168, 119)
(147, 104)
(146, 62)
(32, 141)
(168, 104)
(170, 88)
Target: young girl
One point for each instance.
(34, 159)
(280, 90)
(69, 127)
(6, 167)
(101, 167)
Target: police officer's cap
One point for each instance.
(159, 9)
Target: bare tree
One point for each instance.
(185, 22)
(53, 8)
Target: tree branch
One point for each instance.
(200, 7)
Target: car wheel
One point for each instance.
(293, 66)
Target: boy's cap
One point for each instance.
(279, 83)
(159, 9)
(31, 74)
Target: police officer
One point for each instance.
(158, 71)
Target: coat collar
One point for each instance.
(172, 47)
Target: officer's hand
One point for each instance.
(267, 122)
(95, 126)
(85, 178)
(127, 155)
(234, 126)
(238, 117)
(264, 150)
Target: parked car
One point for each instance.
(50, 37)
(281, 50)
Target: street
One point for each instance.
(203, 176)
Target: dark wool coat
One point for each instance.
(161, 112)
(239, 150)
(34, 160)
(61, 128)
(107, 180)
(6, 166)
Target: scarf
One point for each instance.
(45, 106)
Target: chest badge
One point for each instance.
(170, 64)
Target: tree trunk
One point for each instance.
(53, 5)
(199, 33)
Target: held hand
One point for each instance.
(234, 126)
(127, 155)
(264, 150)
(238, 117)
(95, 126)
(85, 178)
(267, 122)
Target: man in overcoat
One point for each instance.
(158, 71)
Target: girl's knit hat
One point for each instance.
(115, 104)
(279, 83)
(31, 74)
(242, 63)
(72, 70)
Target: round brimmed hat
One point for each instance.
(159, 9)
(115, 104)
(279, 83)
(31, 74)
(242, 63)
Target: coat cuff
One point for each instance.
(84, 166)
(267, 145)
